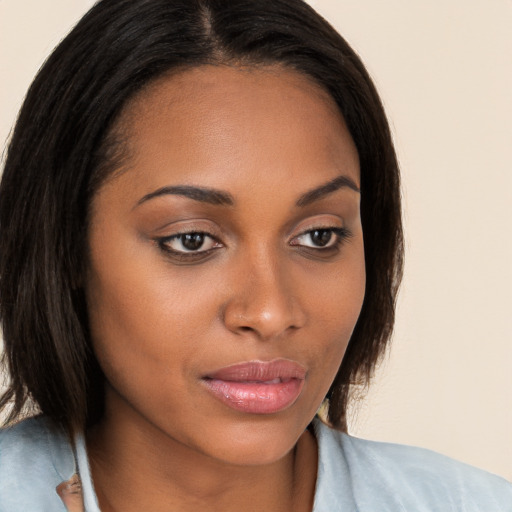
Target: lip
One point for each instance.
(257, 387)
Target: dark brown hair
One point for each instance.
(62, 149)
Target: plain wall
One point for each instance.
(444, 70)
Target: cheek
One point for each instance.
(154, 326)
(139, 315)
(146, 337)
(334, 303)
(339, 294)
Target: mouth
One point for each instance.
(257, 387)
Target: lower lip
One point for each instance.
(256, 397)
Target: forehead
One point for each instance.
(228, 88)
(223, 126)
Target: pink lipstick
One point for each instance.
(258, 387)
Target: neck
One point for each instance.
(136, 466)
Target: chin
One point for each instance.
(259, 440)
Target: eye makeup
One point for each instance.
(194, 246)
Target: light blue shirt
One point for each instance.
(354, 475)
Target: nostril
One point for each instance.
(261, 317)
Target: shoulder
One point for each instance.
(385, 476)
(35, 457)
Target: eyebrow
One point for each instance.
(202, 194)
(326, 189)
(221, 198)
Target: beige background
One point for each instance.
(444, 69)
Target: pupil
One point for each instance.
(321, 237)
(192, 241)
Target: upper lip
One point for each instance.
(260, 371)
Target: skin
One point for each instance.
(160, 322)
(70, 493)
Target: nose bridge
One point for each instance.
(263, 299)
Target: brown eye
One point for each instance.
(321, 238)
(193, 242)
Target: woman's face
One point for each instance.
(226, 261)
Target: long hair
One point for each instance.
(63, 147)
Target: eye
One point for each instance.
(321, 238)
(188, 243)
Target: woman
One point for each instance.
(201, 245)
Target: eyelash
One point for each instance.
(342, 234)
(192, 255)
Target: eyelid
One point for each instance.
(341, 232)
(323, 217)
(318, 226)
(177, 236)
(186, 257)
(193, 225)
(325, 221)
(168, 233)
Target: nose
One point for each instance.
(265, 300)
